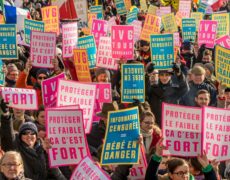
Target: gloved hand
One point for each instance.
(4, 106)
(176, 68)
(150, 68)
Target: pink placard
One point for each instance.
(103, 95)
(185, 8)
(20, 98)
(72, 93)
(163, 10)
(207, 33)
(122, 42)
(99, 29)
(224, 41)
(87, 169)
(69, 39)
(111, 22)
(176, 39)
(181, 130)
(216, 137)
(104, 54)
(49, 90)
(137, 29)
(65, 130)
(42, 48)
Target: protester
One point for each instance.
(202, 98)
(12, 75)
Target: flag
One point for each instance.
(67, 10)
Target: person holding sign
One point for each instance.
(202, 98)
(11, 75)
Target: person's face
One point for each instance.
(164, 77)
(105, 120)
(102, 78)
(202, 100)
(198, 78)
(29, 137)
(180, 173)
(145, 48)
(207, 72)
(147, 124)
(153, 77)
(206, 59)
(13, 75)
(18, 112)
(41, 118)
(41, 77)
(11, 166)
(227, 96)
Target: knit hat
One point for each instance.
(102, 71)
(43, 71)
(197, 70)
(187, 45)
(28, 126)
(108, 107)
(11, 67)
(169, 71)
(210, 67)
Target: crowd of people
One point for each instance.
(190, 82)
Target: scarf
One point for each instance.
(147, 137)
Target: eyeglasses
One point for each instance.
(181, 173)
(148, 122)
(9, 165)
(41, 77)
(28, 133)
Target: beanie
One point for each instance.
(210, 67)
(28, 126)
(43, 71)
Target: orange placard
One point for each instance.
(2, 20)
(91, 17)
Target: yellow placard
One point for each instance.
(223, 24)
(128, 4)
(2, 20)
(86, 30)
(169, 22)
(179, 17)
(143, 5)
(50, 17)
(91, 17)
(152, 9)
(197, 16)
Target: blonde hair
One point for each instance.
(13, 153)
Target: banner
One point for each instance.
(132, 83)
(69, 39)
(2, 74)
(8, 41)
(122, 42)
(88, 42)
(99, 29)
(169, 23)
(82, 65)
(162, 50)
(189, 29)
(81, 7)
(216, 137)
(65, 130)
(207, 33)
(120, 6)
(181, 129)
(104, 54)
(122, 133)
(224, 41)
(50, 17)
(87, 169)
(74, 93)
(49, 90)
(42, 49)
(222, 65)
(223, 21)
(151, 26)
(130, 17)
(97, 10)
(30, 25)
(185, 8)
(197, 16)
(137, 29)
(20, 98)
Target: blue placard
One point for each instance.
(202, 8)
(2, 74)
(120, 5)
(133, 84)
(8, 48)
(88, 43)
(97, 10)
(162, 51)
(122, 133)
(131, 16)
(30, 25)
(189, 29)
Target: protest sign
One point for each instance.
(202, 8)
(104, 54)
(224, 41)
(137, 29)
(88, 42)
(20, 98)
(103, 95)
(2, 19)
(49, 90)
(122, 132)
(128, 4)
(222, 64)
(65, 130)
(169, 23)
(181, 129)
(42, 49)
(99, 29)
(97, 10)
(216, 137)
(207, 33)
(69, 39)
(189, 29)
(82, 65)
(122, 42)
(72, 93)
(223, 21)
(137, 172)
(120, 6)
(176, 39)
(132, 83)
(111, 22)
(178, 18)
(30, 25)
(144, 6)
(50, 17)
(152, 9)
(81, 7)
(2, 74)
(91, 17)
(163, 10)
(130, 17)
(185, 8)
(197, 16)
(151, 26)
(162, 50)
(87, 169)
(8, 41)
